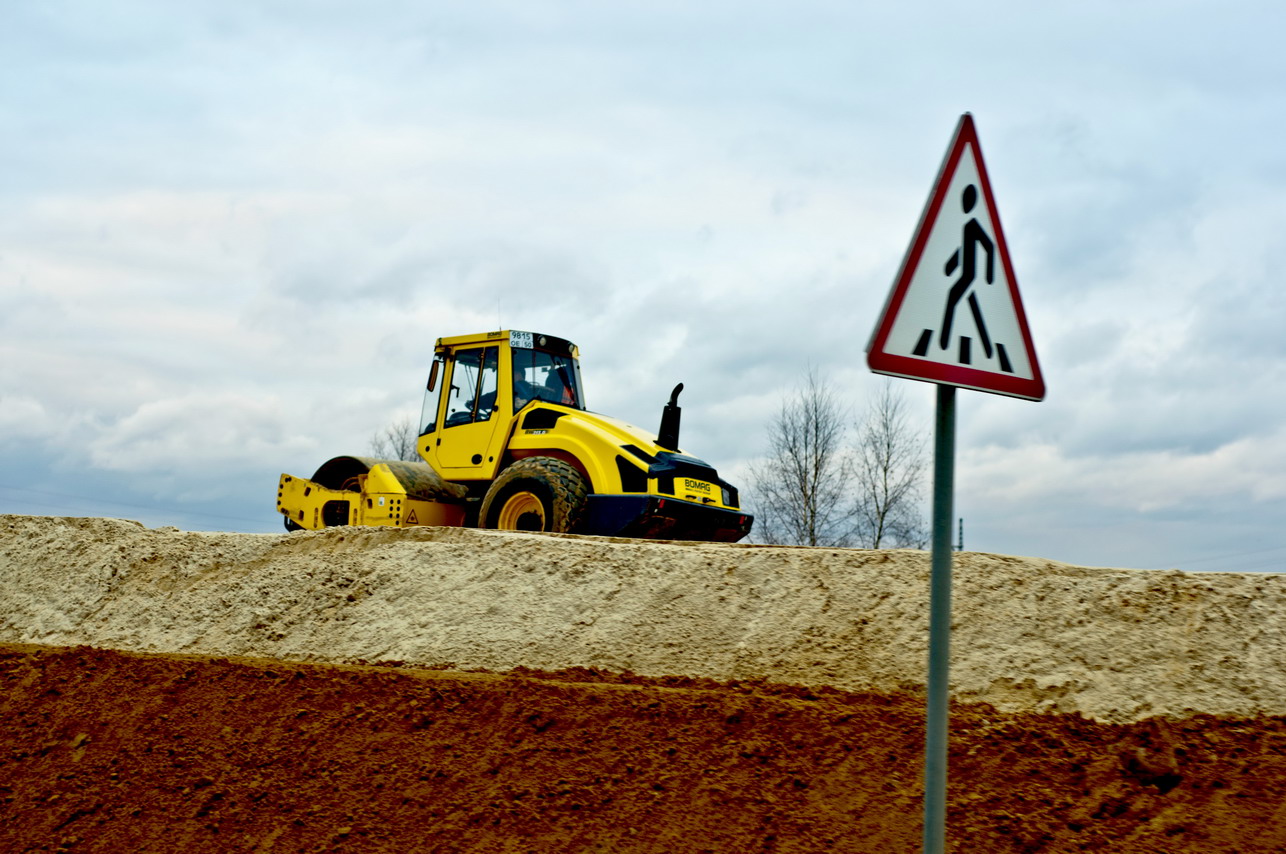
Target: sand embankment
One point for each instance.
(1029, 634)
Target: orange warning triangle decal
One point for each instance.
(410, 518)
(954, 315)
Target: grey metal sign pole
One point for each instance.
(935, 742)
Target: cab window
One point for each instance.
(539, 375)
(472, 396)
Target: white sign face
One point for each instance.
(954, 315)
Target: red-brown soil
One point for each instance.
(102, 751)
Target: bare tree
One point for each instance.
(889, 467)
(397, 441)
(802, 489)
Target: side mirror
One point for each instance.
(433, 375)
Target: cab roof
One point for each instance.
(512, 337)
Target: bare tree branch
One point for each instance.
(814, 488)
(397, 441)
(801, 487)
(890, 467)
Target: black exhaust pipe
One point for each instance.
(668, 436)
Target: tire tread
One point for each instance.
(565, 484)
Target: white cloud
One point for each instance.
(196, 433)
(24, 419)
(1035, 475)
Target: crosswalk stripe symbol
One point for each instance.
(954, 315)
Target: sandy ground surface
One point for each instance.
(470, 691)
(1029, 634)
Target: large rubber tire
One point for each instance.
(536, 494)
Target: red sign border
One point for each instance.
(913, 368)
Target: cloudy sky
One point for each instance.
(230, 233)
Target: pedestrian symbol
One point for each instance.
(954, 314)
(975, 237)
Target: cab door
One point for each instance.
(462, 448)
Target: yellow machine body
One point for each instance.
(507, 442)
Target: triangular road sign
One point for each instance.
(954, 315)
